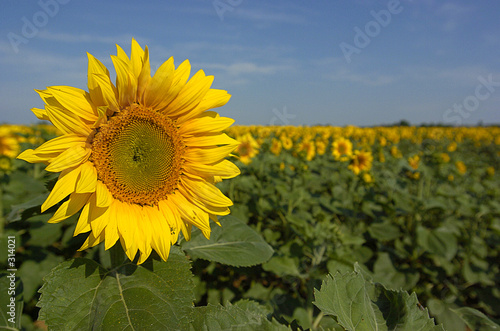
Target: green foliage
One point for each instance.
(233, 243)
(309, 245)
(358, 304)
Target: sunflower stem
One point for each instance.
(117, 255)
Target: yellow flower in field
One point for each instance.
(286, 141)
(282, 166)
(414, 161)
(248, 148)
(452, 147)
(361, 161)
(320, 147)
(382, 141)
(5, 164)
(367, 178)
(445, 157)
(413, 175)
(395, 152)
(490, 171)
(276, 146)
(140, 157)
(342, 149)
(381, 156)
(461, 167)
(9, 145)
(308, 147)
(451, 177)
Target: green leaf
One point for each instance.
(242, 316)
(11, 301)
(475, 320)
(385, 273)
(282, 265)
(79, 294)
(384, 231)
(32, 273)
(361, 305)
(440, 241)
(233, 243)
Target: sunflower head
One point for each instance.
(139, 157)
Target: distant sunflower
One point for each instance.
(248, 148)
(9, 145)
(361, 161)
(342, 149)
(140, 157)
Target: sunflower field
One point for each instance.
(349, 228)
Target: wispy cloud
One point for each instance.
(452, 14)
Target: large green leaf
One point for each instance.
(361, 305)
(244, 315)
(476, 320)
(233, 243)
(11, 301)
(80, 294)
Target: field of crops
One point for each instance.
(412, 208)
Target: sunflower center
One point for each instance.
(138, 156)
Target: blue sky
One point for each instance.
(284, 61)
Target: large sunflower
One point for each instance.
(140, 157)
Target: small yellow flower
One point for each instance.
(451, 177)
(461, 167)
(286, 141)
(276, 146)
(452, 147)
(367, 178)
(247, 149)
(490, 171)
(9, 145)
(308, 147)
(414, 161)
(361, 161)
(395, 152)
(342, 149)
(445, 158)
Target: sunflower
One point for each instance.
(361, 161)
(248, 148)
(9, 145)
(342, 149)
(139, 158)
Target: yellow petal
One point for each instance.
(204, 125)
(87, 180)
(208, 155)
(75, 202)
(213, 99)
(190, 96)
(190, 213)
(127, 228)
(103, 196)
(66, 121)
(126, 83)
(41, 114)
(91, 241)
(107, 90)
(160, 232)
(64, 186)
(209, 140)
(95, 67)
(99, 218)
(225, 169)
(155, 96)
(181, 75)
(206, 192)
(111, 230)
(83, 224)
(69, 158)
(75, 100)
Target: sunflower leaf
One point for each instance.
(359, 304)
(233, 243)
(241, 316)
(80, 294)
